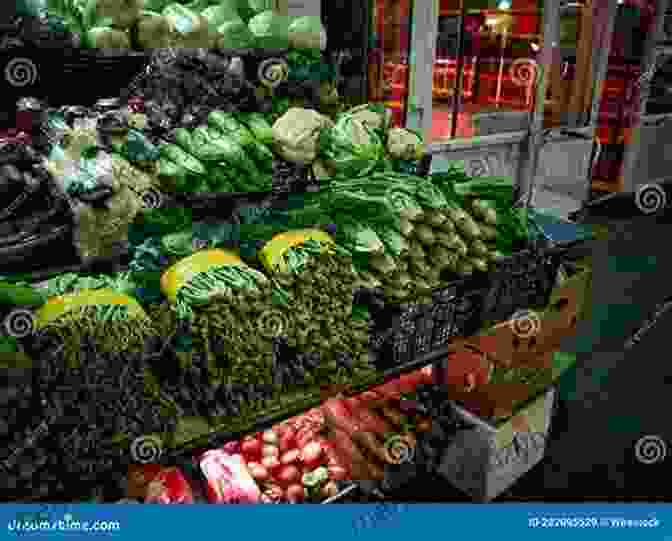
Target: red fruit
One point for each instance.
(273, 494)
(290, 457)
(287, 440)
(409, 382)
(389, 390)
(337, 473)
(251, 449)
(427, 374)
(295, 493)
(288, 475)
(258, 472)
(312, 454)
(305, 436)
(270, 438)
(271, 463)
(270, 450)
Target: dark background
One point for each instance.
(615, 395)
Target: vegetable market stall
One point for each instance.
(312, 276)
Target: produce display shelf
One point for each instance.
(267, 420)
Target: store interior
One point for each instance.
(234, 271)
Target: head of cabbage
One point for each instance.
(404, 144)
(350, 148)
(271, 30)
(234, 34)
(307, 32)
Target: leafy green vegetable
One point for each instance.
(181, 158)
(356, 237)
(307, 32)
(270, 29)
(258, 125)
(350, 148)
(234, 34)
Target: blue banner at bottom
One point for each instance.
(338, 522)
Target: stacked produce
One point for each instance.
(405, 235)
(153, 24)
(258, 339)
(311, 457)
(96, 391)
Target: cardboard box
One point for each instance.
(486, 460)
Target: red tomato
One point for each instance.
(270, 450)
(257, 471)
(312, 454)
(287, 440)
(305, 436)
(290, 457)
(288, 475)
(251, 449)
(271, 463)
(337, 473)
(295, 493)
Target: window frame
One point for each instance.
(423, 49)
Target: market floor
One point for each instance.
(615, 395)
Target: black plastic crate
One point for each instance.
(522, 281)
(406, 332)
